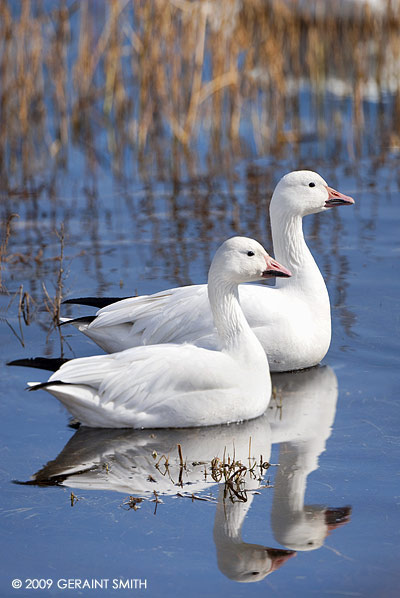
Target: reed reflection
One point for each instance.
(92, 100)
(142, 463)
(165, 235)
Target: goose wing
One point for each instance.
(157, 386)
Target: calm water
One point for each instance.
(323, 519)
(332, 430)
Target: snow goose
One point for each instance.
(239, 560)
(131, 455)
(131, 452)
(302, 424)
(181, 385)
(292, 320)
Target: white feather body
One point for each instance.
(292, 320)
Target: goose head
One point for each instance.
(241, 259)
(307, 529)
(305, 192)
(247, 563)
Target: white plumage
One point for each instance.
(181, 385)
(292, 320)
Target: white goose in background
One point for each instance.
(239, 560)
(292, 320)
(181, 385)
(301, 422)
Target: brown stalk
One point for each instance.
(4, 245)
(53, 304)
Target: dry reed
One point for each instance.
(4, 246)
(53, 304)
(148, 75)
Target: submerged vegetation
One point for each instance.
(173, 476)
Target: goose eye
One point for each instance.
(250, 253)
(311, 184)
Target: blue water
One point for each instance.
(323, 519)
(336, 448)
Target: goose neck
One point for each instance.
(228, 316)
(290, 249)
(291, 480)
(235, 334)
(288, 240)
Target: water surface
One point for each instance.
(322, 520)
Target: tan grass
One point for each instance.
(156, 73)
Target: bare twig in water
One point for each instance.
(180, 455)
(194, 497)
(25, 304)
(74, 499)
(277, 399)
(165, 465)
(132, 502)
(182, 466)
(53, 304)
(20, 336)
(156, 500)
(4, 245)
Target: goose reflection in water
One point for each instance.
(125, 461)
(301, 419)
(239, 560)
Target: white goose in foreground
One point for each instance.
(292, 320)
(181, 385)
(134, 454)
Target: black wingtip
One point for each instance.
(41, 363)
(44, 483)
(45, 385)
(83, 320)
(94, 301)
(74, 424)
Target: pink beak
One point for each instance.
(279, 557)
(335, 198)
(274, 269)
